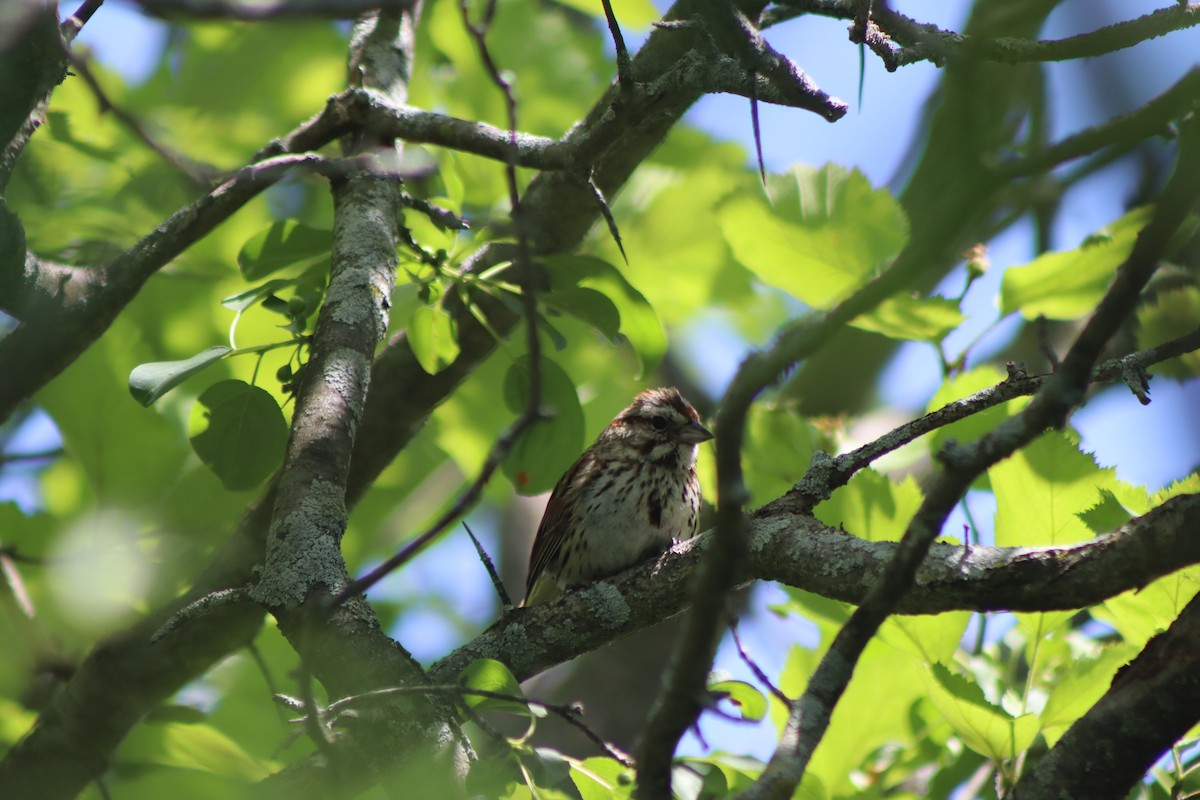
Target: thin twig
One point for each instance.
(569, 713)
(16, 584)
(917, 41)
(497, 584)
(74, 23)
(38, 455)
(755, 668)
(465, 501)
(827, 474)
(624, 64)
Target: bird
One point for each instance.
(630, 496)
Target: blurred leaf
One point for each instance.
(1168, 316)
(750, 702)
(985, 728)
(148, 382)
(243, 300)
(590, 306)
(200, 747)
(602, 779)
(916, 319)
(239, 432)
(639, 323)
(1084, 682)
(779, 447)
(824, 234)
(489, 675)
(284, 243)
(548, 447)
(630, 14)
(1139, 615)
(127, 453)
(1067, 284)
(433, 337)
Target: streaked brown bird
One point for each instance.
(629, 496)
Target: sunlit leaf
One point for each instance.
(489, 675)
(871, 506)
(433, 337)
(630, 14)
(1042, 489)
(148, 382)
(602, 779)
(917, 319)
(1084, 682)
(750, 702)
(985, 728)
(825, 232)
(200, 747)
(1067, 284)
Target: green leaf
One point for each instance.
(600, 778)
(750, 702)
(548, 447)
(932, 639)
(1084, 682)
(1041, 491)
(239, 432)
(871, 506)
(1067, 284)
(1139, 615)
(639, 323)
(1169, 315)
(588, 305)
(1107, 515)
(199, 747)
(960, 387)
(490, 675)
(915, 319)
(825, 234)
(243, 300)
(282, 244)
(985, 728)
(631, 14)
(433, 337)
(148, 382)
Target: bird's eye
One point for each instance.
(659, 423)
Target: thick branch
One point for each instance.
(797, 550)
(1151, 704)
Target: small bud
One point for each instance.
(977, 262)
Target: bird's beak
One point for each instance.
(694, 433)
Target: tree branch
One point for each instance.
(1151, 704)
(797, 550)
(809, 716)
(920, 41)
(615, 138)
